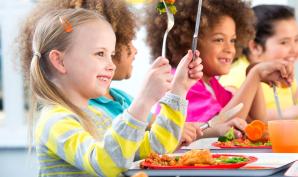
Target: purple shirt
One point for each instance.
(202, 106)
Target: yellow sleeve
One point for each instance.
(166, 131)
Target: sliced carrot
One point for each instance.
(253, 133)
(260, 124)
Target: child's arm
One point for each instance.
(62, 135)
(222, 128)
(156, 84)
(258, 107)
(270, 71)
(288, 113)
(166, 130)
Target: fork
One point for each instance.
(170, 24)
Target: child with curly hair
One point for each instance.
(225, 29)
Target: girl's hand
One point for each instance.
(157, 81)
(156, 84)
(187, 74)
(191, 132)
(275, 72)
(238, 124)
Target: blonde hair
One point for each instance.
(117, 13)
(50, 34)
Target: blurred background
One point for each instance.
(15, 160)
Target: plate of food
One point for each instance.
(196, 159)
(256, 137)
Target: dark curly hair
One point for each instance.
(180, 37)
(115, 11)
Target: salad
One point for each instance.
(256, 135)
(169, 3)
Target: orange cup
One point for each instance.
(284, 135)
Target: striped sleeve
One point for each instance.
(64, 136)
(166, 131)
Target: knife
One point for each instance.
(277, 103)
(197, 27)
(222, 117)
(293, 95)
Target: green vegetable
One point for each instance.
(161, 8)
(230, 134)
(231, 160)
(268, 143)
(223, 139)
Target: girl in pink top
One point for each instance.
(203, 98)
(225, 29)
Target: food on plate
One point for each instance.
(169, 3)
(140, 174)
(194, 158)
(257, 131)
(256, 135)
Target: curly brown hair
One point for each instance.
(180, 37)
(115, 11)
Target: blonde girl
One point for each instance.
(72, 63)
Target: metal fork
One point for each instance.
(170, 19)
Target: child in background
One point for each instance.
(276, 38)
(123, 22)
(226, 26)
(71, 64)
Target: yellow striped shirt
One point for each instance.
(64, 148)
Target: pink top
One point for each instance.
(202, 105)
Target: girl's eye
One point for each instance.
(101, 54)
(284, 42)
(233, 41)
(218, 40)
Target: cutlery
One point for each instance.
(197, 27)
(170, 24)
(293, 95)
(277, 102)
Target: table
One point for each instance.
(265, 155)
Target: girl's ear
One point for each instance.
(256, 51)
(56, 59)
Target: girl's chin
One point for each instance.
(221, 73)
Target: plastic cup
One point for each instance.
(284, 135)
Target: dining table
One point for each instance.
(268, 163)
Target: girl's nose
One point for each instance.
(229, 47)
(292, 52)
(110, 65)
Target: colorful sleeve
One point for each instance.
(64, 136)
(166, 131)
